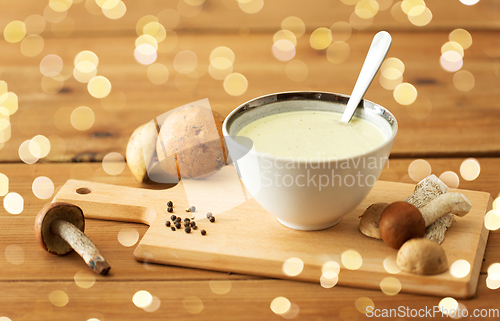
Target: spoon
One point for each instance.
(376, 54)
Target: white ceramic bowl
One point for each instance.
(307, 204)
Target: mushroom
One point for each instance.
(401, 221)
(190, 143)
(368, 225)
(422, 256)
(59, 229)
(141, 149)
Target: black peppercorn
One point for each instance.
(203, 232)
(194, 227)
(192, 209)
(167, 223)
(193, 224)
(212, 219)
(187, 229)
(172, 228)
(187, 220)
(186, 224)
(170, 209)
(178, 225)
(173, 217)
(178, 219)
(209, 214)
(170, 204)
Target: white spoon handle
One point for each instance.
(376, 55)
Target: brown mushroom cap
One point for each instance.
(399, 222)
(50, 213)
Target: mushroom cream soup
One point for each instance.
(311, 134)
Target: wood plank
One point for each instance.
(37, 264)
(457, 120)
(192, 300)
(225, 15)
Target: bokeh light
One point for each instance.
(84, 71)
(366, 9)
(493, 279)
(329, 279)
(145, 54)
(157, 73)
(54, 16)
(128, 236)
(35, 24)
(251, 6)
(296, 70)
(142, 22)
(93, 8)
(42, 146)
(156, 30)
(51, 65)
(419, 169)
(222, 52)
(363, 303)
(193, 304)
(58, 298)
(142, 298)
(408, 5)
(470, 169)
(82, 118)
(113, 163)
(154, 306)
(146, 39)
(5, 130)
(492, 219)
(338, 52)
(405, 94)
(43, 187)
(4, 184)
(295, 25)
(390, 265)
(280, 305)
(462, 36)
(450, 178)
(14, 31)
(390, 78)
(285, 35)
(84, 279)
(32, 45)
(25, 153)
(220, 287)
(86, 55)
(14, 254)
(60, 5)
(464, 80)
(292, 266)
(115, 12)
(10, 102)
(351, 260)
(452, 46)
(320, 38)
(460, 269)
(451, 61)
(390, 285)
(448, 305)
(235, 84)
(283, 50)
(99, 87)
(185, 62)
(420, 16)
(331, 266)
(220, 68)
(469, 2)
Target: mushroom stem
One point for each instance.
(455, 203)
(82, 245)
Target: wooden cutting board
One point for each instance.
(247, 239)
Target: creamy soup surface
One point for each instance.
(312, 134)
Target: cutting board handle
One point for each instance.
(109, 202)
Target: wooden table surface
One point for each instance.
(447, 124)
